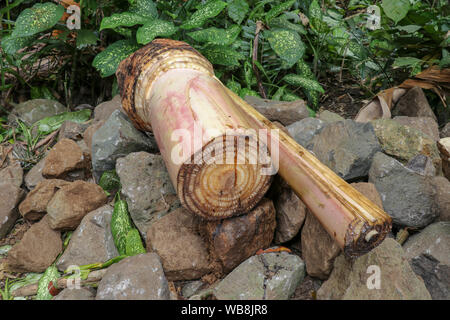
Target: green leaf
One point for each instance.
(52, 123)
(40, 17)
(278, 94)
(153, 29)
(134, 243)
(217, 36)
(109, 180)
(316, 17)
(304, 71)
(248, 92)
(120, 225)
(50, 275)
(395, 9)
(144, 8)
(409, 28)
(11, 45)
(289, 96)
(122, 19)
(109, 59)
(283, 23)
(237, 9)
(310, 84)
(234, 86)
(209, 10)
(222, 55)
(278, 9)
(86, 38)
(405, 61)
(287, 45)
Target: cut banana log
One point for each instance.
(220, 152)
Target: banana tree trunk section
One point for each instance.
(170, 89)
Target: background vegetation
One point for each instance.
(282, 50)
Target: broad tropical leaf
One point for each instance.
(287, 45)
(223, 55)
(237, 9)
(296, 80)
(217, 36)
(123, 19)
(396, 9)
(208, 11)
(153, 29)
(109, 59)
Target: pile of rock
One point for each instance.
(397, 163)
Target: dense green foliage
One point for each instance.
(278, 49)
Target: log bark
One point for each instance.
(167, 85)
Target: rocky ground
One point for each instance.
(401, 164)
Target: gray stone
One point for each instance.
(146, 187)
(269, 276)
(91, 242)
(191, 288)
(436, 275)
(34, 176)
(445, 131)
(404, 143)
(442, 198)
(139, 277)
(303, 131)
(34, 110)
(115, 139)
(282, 111)
(426, 125)
(433, 240)
(76, 294)
(10, 196)
(72, 130)
(328, 116)
(422, 164)
(347, 147)
(357, 280)
(12, 174)
(408, 197)
(428, 253)
(413, 104)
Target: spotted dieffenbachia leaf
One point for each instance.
(304, 71)
(278, 9)
(223, 55)
(153, 29)
(315, 16)
(217, 36)
(286, 44)
(209, 10)
(47, 280)
(144, 8)
(237, 9)
(11, 45)
(40, 17)
(396, 9)
(296, 80)
(123, 19)
(109, 59)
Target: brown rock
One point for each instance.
(290, 212)
(104, 110)
(12, 174)
(282, 111)
(183, 252)
(71, 130)
(368, 189)
(413, 104)
(65, 157)
(318, 248)
(37, 250)
(444, 150)
(442, 197)
(425, 124)
(71, 203)
(10, 196)
(231, 241)
(35, 204)
(89, 133)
